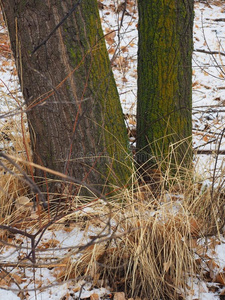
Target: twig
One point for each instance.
(216, 161)
(81, 288)
(24, 233)
(13, 279)
(209, 152)
(218, 20)
(209, 52)
(29, 265)
(119, 28)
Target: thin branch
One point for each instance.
(216, 161)
(209, 152)
(218, 20)
(209, 52)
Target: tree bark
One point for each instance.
(164, 122)
(73, 108)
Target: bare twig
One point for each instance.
(209, 152)
(209, 52)
(216, 161)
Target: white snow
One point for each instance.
(4, 294)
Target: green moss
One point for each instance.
(161, 64)
(101, 87)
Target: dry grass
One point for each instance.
(12, 185)
(151, 253)
(144, 241)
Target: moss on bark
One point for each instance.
(165, 79)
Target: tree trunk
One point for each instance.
(73, 108)
(164, 122)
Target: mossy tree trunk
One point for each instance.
(164, 122)
(73, 108)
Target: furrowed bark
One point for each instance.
(164, 117)
(73, 108)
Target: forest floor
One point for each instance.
(66, 244)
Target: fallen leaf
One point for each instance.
(17, 278)
(52, 243)
(94, 297)
(111, 50)
(205, 139)
(220, 278)
(124, 49)
(76, 289)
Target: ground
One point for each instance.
(70, 238)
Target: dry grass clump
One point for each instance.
(208, 208)
(144, 238)
(152, 261)
(151, 250)
(12, 185)
(148, 255)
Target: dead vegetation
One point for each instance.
(138, 242)
(144, 240)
